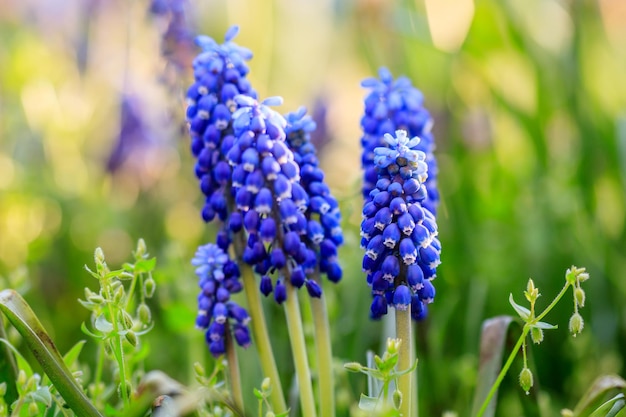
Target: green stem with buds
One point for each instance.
(298, 347)
(518, 345)
(405, 359)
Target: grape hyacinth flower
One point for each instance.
(393, 105)
(177, 39)
(322, 213)
(218, 279)
(220, 74)
(399, 235)
(270, 203)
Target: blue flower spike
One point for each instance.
(393, 105)
(398, 232)
(219, 278)
(291, 220)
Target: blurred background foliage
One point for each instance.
(529, 105)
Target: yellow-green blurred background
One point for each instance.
(529, 102)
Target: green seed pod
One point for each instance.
(149, 287)
(397, 399)
(144, 314)
(131, 337)
(266, 385)
(536, 334)
(96, 299)
(526, 380)
(33, 409)
(125, 319)
(576, 324)
(353, 366)
(579, 295)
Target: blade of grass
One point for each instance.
(8, 367)
(598, 391)
(22, 317)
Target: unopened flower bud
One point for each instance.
(270, 414)
(353, 366)
(141, 248)
(576, 324)
(266, 385)
(526, 380)
(131, 337)
(95, 298)
(125, 319)
(21, 377)
(118, 295)
(3, 389)
(199, 369)
(149, 287)
(532, 292)
(393, 345)
(31, 384)
(579, 295)
(144, 313)
(566, 412)
(536, 334)
(397, 399)
(33, 409)
(98, 258)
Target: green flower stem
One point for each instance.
(259, 329)
(298, 347)
(118, 351)
(405, 358)
(516, 349)
(324, 356)
(504, 370)
(233, 370)
(553, 303)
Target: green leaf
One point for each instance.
(597, 393)
(84, 329)
(8, 366)
(22, 317)
(497, 336)
(523, 312)
(72, 355)
(545, 326)
(367, 403)
(610, 407)
(145, 265)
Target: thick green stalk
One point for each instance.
(324, 357)
(298, 348)
(259, 330)
(233, 370)
(405, 358)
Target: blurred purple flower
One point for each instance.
(134, 134)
